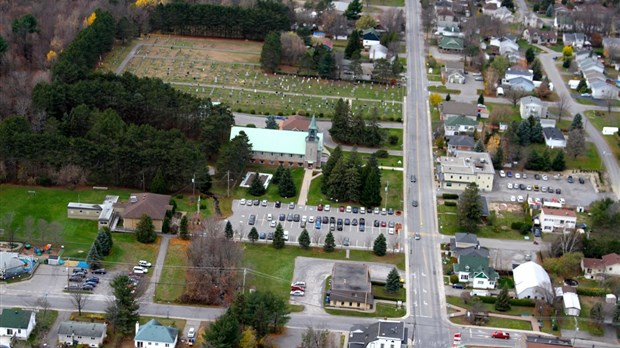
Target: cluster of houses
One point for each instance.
(18, 324)
(592, 69)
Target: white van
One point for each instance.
(140, 270)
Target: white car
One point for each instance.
(383, 211)
(375, 211)
(513, 198)
(545, 177)
(140, 270)
(297, 293)
(273, 223)
(509, 185)
(249, 202)
(362, 210)
(286, 235)
(529, 187)
(263, 203)
(242, 201)
(269, 217)
(391, 230)
(502, 174)
(520, 199)
(144, 263)
(310, 219)
(304, 219)
(524, 175)
(191, 333)
(299, 283)
(517, 176)
(348, 208)
(327, 207)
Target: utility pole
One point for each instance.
(387, 185)
(228, 183)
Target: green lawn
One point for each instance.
(448, 223)
(524, 46)
(558, 47)
(395, 3)
(379, 290)
(126, 252)
(434, 77)
(399, 144)
(391, 161)
(586, 101)
(382, 310)
(50, 204)
(272, 269)
(172, 280)
(443, 89)
(589, 161)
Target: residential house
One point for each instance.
(460, 143)
(604, 90)
(377, 51)
(454, 72)
(83, 333)
(475, 270)
(503, 14)
(449, 44)
(513, 73)
(16, 323)
(570, 300)
(289, 148)
(351, 287)
(545, 342)
(456, 172)
(582, 54)
(450, 31)
(295, 123)
(489, 8)
(592, 76)
(459, 125)
(510, 50)
(463, 240)
(576, 40)
(552, 220)
(533, 282)
(532, 106)
(554, 138)
(521, 83)
(538, 36)
(151, 204)
(450, 109)
(563, 21)
(590, 64)
(370, 37)
(153, 334)
(598, 268)
(382, 334)
(532, 21)
(445, 17)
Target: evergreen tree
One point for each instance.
(304, 239)
(530, 55)
(577, 122)
(286, 187)
(145, 231)
(469, 208)
(108, 233)
(223, 333)
(278, 237)
(374, 136)
(337, 188)
(582, 87)
(354, 10)
(94, 258)
(392, 283)
(278, 174)
(498, 158)
(534, 161)
(253, 235)
(524, 133)
(479, 147)
(503, 301)
(123, 312)
(326, 65)
(184, 228)
(256, 188)
(341, 122)
(537, 70)
(380, 245)
(397, 66)
(481, 99)
(271, 53)
(330, 243)
(104, 244)
(546, 160)
(353, 184)
(559, 164)
(448, 97)
(165, 225)
(228, 230)
(536, 132)
(371, 191)
(328, 167)
(158, 185)
(354, 45)
(270, 122)
(357, 131)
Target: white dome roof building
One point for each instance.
(533, 282)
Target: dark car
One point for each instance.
(100, 271)
(325, 220)
(93, 284)
(362, 221)
(341, 209)
(570, 179)
(256, 202)
(362, 228)
(509, 174)
(278, 204)
(262, 235)
(354, 222)
(289, 217)
(522, 186)
(296, 217)
(537, 176)
(282, 217)
(88, 287)
(270, 236)
(317, 224)
(413, 179)
(93, 279)
(458, 286)
(332, 220)
(383, 224)
(346, 242)
(558, 191)
(581, 181)
(347, 222)
(356, 210)
(390, 211)
(75, 279)
(414, 203)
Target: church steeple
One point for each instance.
(312, 130)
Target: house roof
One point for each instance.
(272, 140)
(15, 318)
(78, 328)
(351, 277)
(571, 300)
(461, 140)
(10, 260)
(388, 329)
(530, 100)
(460, 121)
(467, 162)
(521, 83)
(153, 331)
(465, 237)
(458, 108)
(558, 211)
(295, 123)
(519, 72)
(450, 42)
(145, 203)
(473, 251)
(379, 48)
(529, 275)
(607, 260)
(455, 65)
(573, 37)
(475, 265)
(370, 34)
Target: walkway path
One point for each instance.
(305, 187)
(158, 265)
(52, 334)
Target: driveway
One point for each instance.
(315, 271)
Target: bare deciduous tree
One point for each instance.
(43, 305)
(79, 300)
(393, 240)
(562, 105)
(334, 23)
(428, 19)
(318, 338)
(566, 243)
(293, 48)
(316, 237)
(514, 95)
(393, 19)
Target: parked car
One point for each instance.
(327, 207)
(299, 283)
(458, 286)
(297, 288)
(256, 202)
(278, 204)
(362, 228)
(88, 287)
(282, 217)
(354, 222)
(362, 221)
(262, 235)
(296, 217)
(319, 207)
(517, 176)
(286, 235)
(558, 191)
(291, 205)
(417, 236)
(140, 270)
(346, 241)
(362, 210)
(144, 263)
(376, 223)
(581, 180)
(355, 210)
(99, 271)
(75, 279)
(289, 217)
(500, 334)
(509, 174)
(270, 236)
(570, 179)
(317, 224)
(297, 293)
(502, 174)
(93, 279)
(191, 333)
(263, 203)
(347, 222)
(242, 201)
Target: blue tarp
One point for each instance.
(83, 264)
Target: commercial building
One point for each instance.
(455, 173)
(552, 220)
(351, 287)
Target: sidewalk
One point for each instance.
(158, 265)
(305, 187)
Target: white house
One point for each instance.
(577, 40)
(570, 299)
(532, 106)
(382, 334)
(90, 334)
(597, 268)
(514, 73)
(603, 90)
(557, 219)
(521, 83)
(378, 51)
(533, 282)
(153, 334)
(475, 270)
(590, 63)
(609, 130)
(554, 138)
(370, 37)
(454, 72)
(460, 125)
(16, 323)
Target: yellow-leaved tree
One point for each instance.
(51, 55)
(435, 99)
(91, 19)
(143, 3)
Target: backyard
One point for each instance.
(448, 223)
(172, 280)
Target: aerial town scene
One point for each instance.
(310, 173)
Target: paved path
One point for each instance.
(305, 187)
(52, 337)
(158, 265)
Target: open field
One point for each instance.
(172, 280)
(228, 71)
(448, 223)
(127, 251)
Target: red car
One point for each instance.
(341, 208)
(319, 207)
(500, 334)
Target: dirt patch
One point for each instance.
(500, 207)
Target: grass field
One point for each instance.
(126, 251)
(229, 71)
(394, 132)
(274, 268)
(172, 280)
(448, 223)
(391, 161)
(443, 89)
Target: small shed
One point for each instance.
(610, 130)
(571, 304)
(53, 260)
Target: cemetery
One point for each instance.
(228, 71)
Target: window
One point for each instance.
(350, 304)
(290, 155)
(140, 344)
(167, 345)
(150, 343)
(9, 331)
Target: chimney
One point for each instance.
(137, 327)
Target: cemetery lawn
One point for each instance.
(228, 71)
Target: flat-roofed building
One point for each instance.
(456, 172)
(351, 287)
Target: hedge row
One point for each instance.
(525, 302)
(592, 292)
(450, 196)
(449, 203)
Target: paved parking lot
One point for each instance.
(575, 194)
(357, 239)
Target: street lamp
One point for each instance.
(387, 185)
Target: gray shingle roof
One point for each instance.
(82, 329)
(458, 108)
(153, 331)
(462, 140)
(553, 133)
(463, 237)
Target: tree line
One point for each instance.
(352, 129)
(221, 21)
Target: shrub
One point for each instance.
(454, 279)
(595, 292)
(301, 112)
(525, 228)
(450, 196)
(239, 110)
(382, 154)
(450, 203)
(280, 113)
(517, 225)
(250, 125)
(523, 302)
(202, 206)
(44, 181)
(252, 111)
(393, 139)
(321, 115)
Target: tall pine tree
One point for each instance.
(328, 167)
(330, 243)
(256, 188)
(371, 189)
(304, 239)
(392, 283)
(253, 235)
(354, 45)
(469, 208)
(228, 230)
(271, 53)
(286, 187)
(278, 174)
(278, 237)
(380, 245)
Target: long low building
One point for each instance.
(455, 173)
